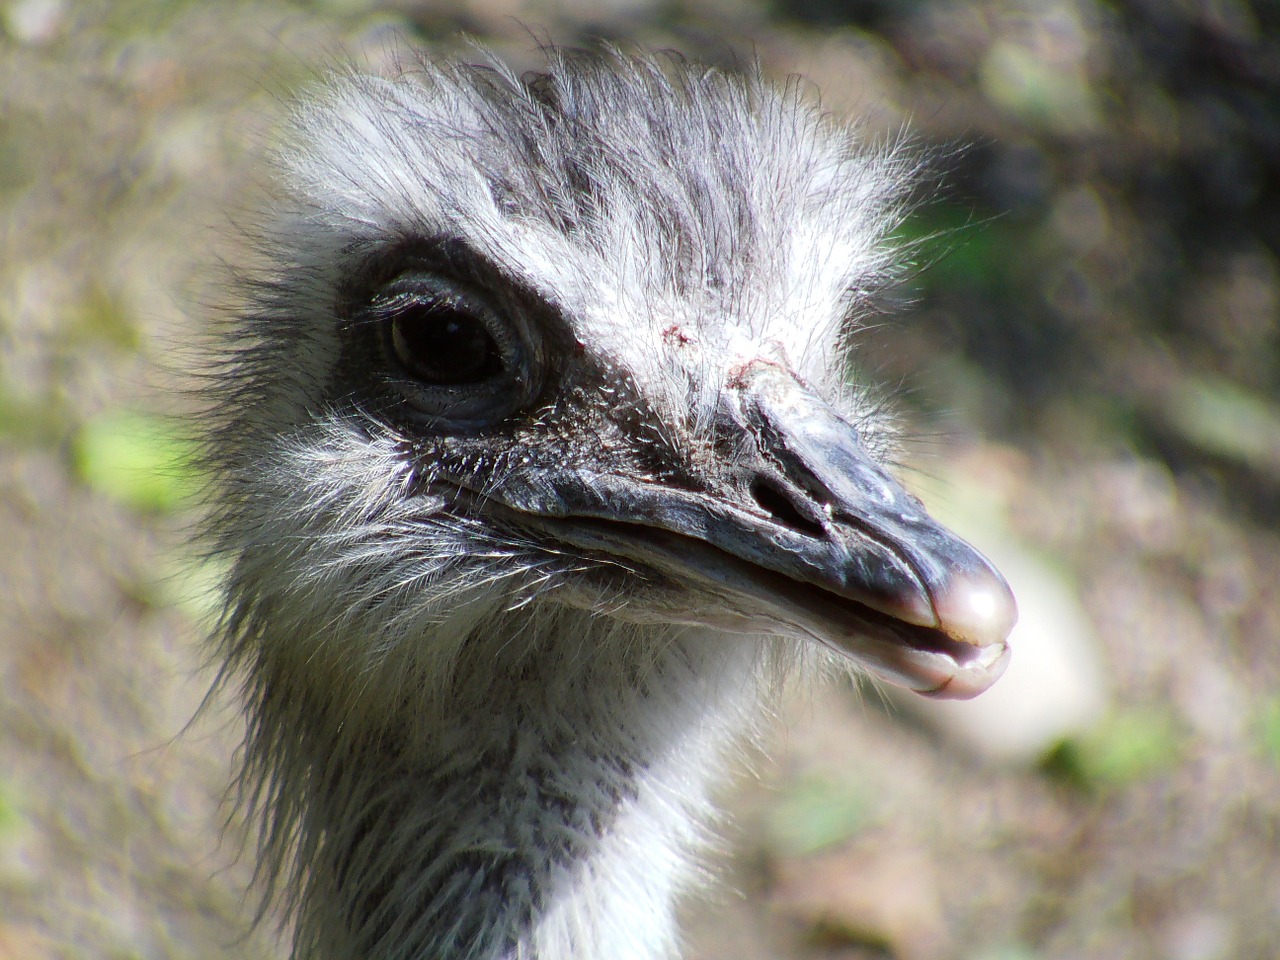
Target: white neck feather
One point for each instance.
(552, 812)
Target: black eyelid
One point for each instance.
(413, 290)
(536, 318)
(450, 260)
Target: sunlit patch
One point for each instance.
(983, 604)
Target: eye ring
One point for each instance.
(455, 359)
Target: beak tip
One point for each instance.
(978, 609)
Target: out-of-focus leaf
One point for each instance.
(815, 814)
(191, 584)
(27, 423)
(104, 319)
(1008, 952)
(1038, 90)
(1269, 729)
(1228, 420)
(950, 249)
(1125, 748)
(139, 460)
(9, 815)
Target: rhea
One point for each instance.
(536, 468)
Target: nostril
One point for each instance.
(779, 505)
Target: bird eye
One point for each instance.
(455, 359)
(441, 344)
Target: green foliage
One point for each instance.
(1129, 746)
(1229, 421)
(188, 583)
(29, 423)
(1014, 951)
(139, 460)
(104, 319)
(1269, 729)
(10, 817)
(951, 249)
(1040, 91)
(815, 813)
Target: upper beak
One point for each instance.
(942, 599)
(817, 539)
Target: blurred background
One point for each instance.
(1087, 355)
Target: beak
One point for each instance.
(814, 539)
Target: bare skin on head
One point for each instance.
(536, 466)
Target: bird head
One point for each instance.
(578, 339)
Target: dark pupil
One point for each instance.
(440, 344)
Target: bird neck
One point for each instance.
(553, 810)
